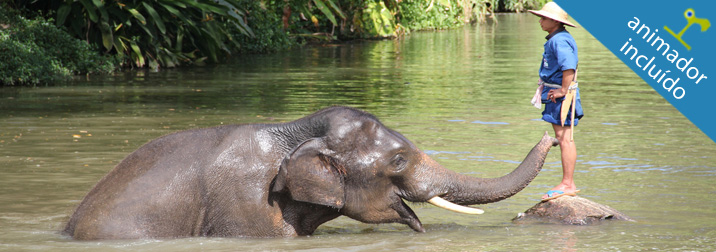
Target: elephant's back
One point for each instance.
(176, 153)
(155, 189)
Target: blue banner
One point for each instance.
(669, 44)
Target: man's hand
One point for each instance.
(555, 94)
(567, 78)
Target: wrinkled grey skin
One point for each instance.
(278, 180)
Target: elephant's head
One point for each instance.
(364, 170)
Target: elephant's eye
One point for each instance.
(399, 162)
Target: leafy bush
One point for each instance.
(151, 33)
(36, 51)
(434, 14)
(518, 5)
(337, 19)
(377, 20)
(167, 33)
(266, 21)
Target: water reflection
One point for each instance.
(462, 95)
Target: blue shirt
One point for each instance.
(560, 54)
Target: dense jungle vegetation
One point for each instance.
(44, 41)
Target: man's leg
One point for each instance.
(569, 159)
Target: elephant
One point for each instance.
(281, 180)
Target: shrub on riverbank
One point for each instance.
(423, 15)
(152, 33)
(168, 33)
(269, 35)
(35, 51)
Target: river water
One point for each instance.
(461, 95)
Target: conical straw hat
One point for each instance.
(552, 11)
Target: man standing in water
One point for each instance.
(557, 72)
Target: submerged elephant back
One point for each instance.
(177, 153)
(153, 190)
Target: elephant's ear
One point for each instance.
(310, 175)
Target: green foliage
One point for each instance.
(348, 19)
(269, 35)
(306, 17)
(517, 5)
(168, 33)
(336, 19)
(441, 14)
(431, 14)
(154, 33)
(35, 51)
(377, 20)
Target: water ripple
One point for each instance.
(490, 123)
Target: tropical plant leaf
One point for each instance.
(178, 3)
(230, 8)
(137, 54)
(171, 10)
(62, 13)
(157, 33)
(155, 16)
(119, 44)
(146, 30)
(324, 9)
(244, 28)
(336, 9)
(107, 38)
(179, 39)
(138, 15)
(237, 14)
(208, 6)
(90, 8)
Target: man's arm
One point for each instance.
(567, 78)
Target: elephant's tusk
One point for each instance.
(442, 203)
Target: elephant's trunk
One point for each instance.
(467, 190)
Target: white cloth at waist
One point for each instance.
(537, 98)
